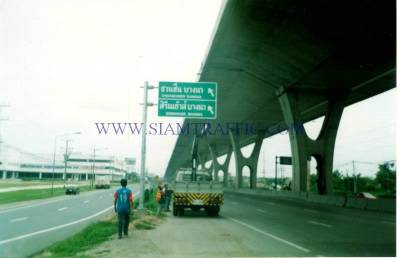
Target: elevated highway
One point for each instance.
(281, 63)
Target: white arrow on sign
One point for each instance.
(210, 109)
(211, 92)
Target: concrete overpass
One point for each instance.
(281, 63)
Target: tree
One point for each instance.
(338, 182)
(386, 177)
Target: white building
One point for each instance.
(77, 167)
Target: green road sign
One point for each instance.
(285, 160)
(188, 99)
(187, 108)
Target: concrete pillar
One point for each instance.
(251, 161)
(12, 175)
(40, 175)
(217, 166)
(86, 177)
(4, 175)
(303, 147)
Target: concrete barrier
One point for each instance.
(338, 200)
(356, 203)
(387, 205)
(383, 205)
(373, 205)
(303, 195)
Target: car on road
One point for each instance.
(364, 195)
(72, 189)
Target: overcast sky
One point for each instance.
(66, 64)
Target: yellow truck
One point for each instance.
(202, 193)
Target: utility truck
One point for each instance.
(102, 182)
(196, 191)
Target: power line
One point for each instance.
(363, 162)
(35, 156)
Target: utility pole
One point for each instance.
(263, 169)
(54, 157)
(66, 156)
(354, 178)
(93, 165)
(276, 173)
(143, 151)
(2, 119)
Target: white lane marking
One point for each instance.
(270, 235)
(312, 211)
(86, 201)
(388, 222)
(62, 209)
(18, 219)
(2, 242)
(260, 210)
(319, 224)
(54, 228)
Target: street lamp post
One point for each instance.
(54, 157)
(143, 151)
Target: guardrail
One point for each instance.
(382, 205)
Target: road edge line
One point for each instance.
(269, 235)
(55, 228)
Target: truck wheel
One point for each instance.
(181, 212)
(213, 211)
(175, 210)
(216, 211)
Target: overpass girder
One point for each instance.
(241, 161)
(303, 147)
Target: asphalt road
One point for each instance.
(251, 226)
(29, 228)
(305, 229)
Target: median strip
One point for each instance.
(269, 235)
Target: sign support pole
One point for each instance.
(143, 152)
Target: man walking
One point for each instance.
(123, 205)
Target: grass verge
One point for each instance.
(92, 235)
(33, 194)
(22, 183)
(100, 232)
